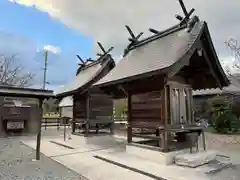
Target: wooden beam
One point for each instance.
(87, 114)
(123, 90)
(147, 136)
(39, 130)
(154, 31)
(129, 130)
(74, 115)
(180, 18)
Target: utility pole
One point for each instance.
(38, 144)
(45, 69)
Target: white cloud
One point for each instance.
(51, 48)
(104, 20)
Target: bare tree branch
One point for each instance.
(13, 73)
(234, 46)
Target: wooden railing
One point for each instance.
(53, 122)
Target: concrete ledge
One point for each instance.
(153, 154)
(195, 159)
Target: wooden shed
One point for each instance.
(92, 108)
(157, 75)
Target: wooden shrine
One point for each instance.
(92, 108)
(157, 75)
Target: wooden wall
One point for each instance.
(80, 108)
(147, 108)
(100, 107)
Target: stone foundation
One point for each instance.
(153, 154)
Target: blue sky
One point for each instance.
(26, 30)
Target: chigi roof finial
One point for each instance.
(103, 50)
(82, 64)
(187, 14)
(133, 38)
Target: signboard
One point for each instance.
(15, 125)
(15, 111)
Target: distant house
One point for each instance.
(66, 107)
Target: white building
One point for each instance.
(66, 107)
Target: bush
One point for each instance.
(223, 118)
(226, 122)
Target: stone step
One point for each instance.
(216, 166)
(194, 160)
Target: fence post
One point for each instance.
(45, 120)
(58, 123)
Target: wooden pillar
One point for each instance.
(74, 115)
(39, 131)
(65, 123)
(165, 134)
(203, 140)
(170, 105)
(191, 106)
(87, 114)
(129, 130)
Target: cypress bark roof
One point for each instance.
(158, 53)
(85, 76)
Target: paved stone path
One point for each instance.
(17, 163)
(231, 173)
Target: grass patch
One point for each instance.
(51, 115)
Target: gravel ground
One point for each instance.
(17, 163)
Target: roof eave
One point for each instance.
(89, 84)
(132, 78)
(226, 81)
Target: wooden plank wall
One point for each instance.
(101, 107)
(147, 108)
(80, 108)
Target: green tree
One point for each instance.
(223, 118)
